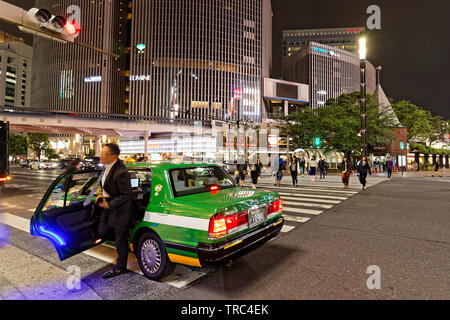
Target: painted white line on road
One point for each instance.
(299, 188)
(16, 222)
(309, 199)
(306, 211)
(304, 204)
(181, 277)
(295, 219)
(286, 229)
(313, 196)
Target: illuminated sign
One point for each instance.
(141, 47)
(141, 78)
(354, 30)
(237, 93)
(93, 79)
(324, 51)
(272, 140)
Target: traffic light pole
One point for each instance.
(363, 102)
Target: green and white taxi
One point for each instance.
(192, 214)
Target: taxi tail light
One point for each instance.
(219, 224)
(276, 206)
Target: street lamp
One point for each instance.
(363, 102)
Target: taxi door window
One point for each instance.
(80, 185)
(57, 197)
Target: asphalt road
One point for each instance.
(330, 238)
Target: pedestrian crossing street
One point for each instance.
(308, 200)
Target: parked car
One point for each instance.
(25, 163)
(92, 163)
(64, 163)
(43, 164)
(192, 214)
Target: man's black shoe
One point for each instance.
(113, 273)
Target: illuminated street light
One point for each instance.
(363, 102)
(362, 48)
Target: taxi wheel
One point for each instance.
(152, 257)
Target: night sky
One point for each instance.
(412, 47)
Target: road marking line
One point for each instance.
(303, 204)
(286, 228)
(181, 277)
(307, 211)
(312, 196)
(319, 190)
(295, 219)
(310, 200)
(16, 222)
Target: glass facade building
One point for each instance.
(198, 59)
(70, 77)
(179, 59)
(340, 38)
(330, 72)
(15, 73)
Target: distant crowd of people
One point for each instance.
(313, 167)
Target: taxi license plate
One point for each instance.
(255, 217)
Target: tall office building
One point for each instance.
(70, 77)
(199, 59)
(183, 59)
(16, 60)
(329, 71)
(340, 38)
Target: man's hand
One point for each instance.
(102, 203)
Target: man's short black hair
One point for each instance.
(113, 148)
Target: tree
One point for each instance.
(18, 145)
(420, 122)
(338, 124)
(38, 142)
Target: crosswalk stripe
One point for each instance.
(313, 196)
(312, 200)
(295, 219)
(304, 204)
(181, 276)
(316, 189)
(287, 228)
(298, 210)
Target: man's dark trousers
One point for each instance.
(121, 235)
(322, 173)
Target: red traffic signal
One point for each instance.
(72, 28)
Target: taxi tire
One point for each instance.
(166, 267)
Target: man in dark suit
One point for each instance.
(118, 205)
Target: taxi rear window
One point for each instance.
(187, 181)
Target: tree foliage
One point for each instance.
(38, 142)
(421, 124)
(18, 145)
(338, 124)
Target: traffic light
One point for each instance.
(317, 142)
(41, 22)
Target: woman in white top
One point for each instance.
(313, 168)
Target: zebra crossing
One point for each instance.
(304, 202)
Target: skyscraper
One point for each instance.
(70, 77)
(199, 59)
(340, 38)
(179, 59)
